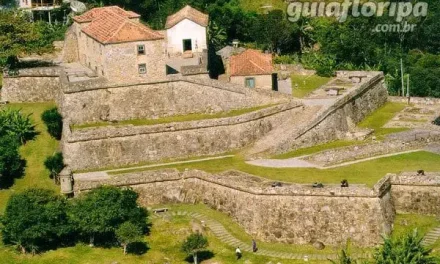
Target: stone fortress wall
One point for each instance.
(416, 194)
(335, 121)
(100, 101)
(40, 84)
(109, 146)
(293, 213)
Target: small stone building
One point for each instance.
(114, 44)
(187, 32)
(253, 69)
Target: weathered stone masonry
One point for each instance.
(333, 122)
(32, 85)
(101, 147)
(100, 101)
(293, 213)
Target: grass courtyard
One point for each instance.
(303, 85)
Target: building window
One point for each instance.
(249, 82)
(141, 49)
(142, 68)
(187, 45)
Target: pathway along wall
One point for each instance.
(115, 146)
(32, 85)
(293, 213)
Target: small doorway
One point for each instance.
(187, 45)
(275, 82)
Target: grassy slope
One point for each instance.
(177, 118)
(380, 117)
(302, 85)
(368, 172)
(35, 152)
(164, 243)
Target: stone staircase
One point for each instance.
(287, 130)
(227, 238)
(431, 237)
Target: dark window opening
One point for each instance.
(187, 45)
(141, 49)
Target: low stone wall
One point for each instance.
(415, 100)
(293, 213)
(399, 142)
(99, 147)
(99, 101)
(416, 194)
(333, 122)
(32, 85)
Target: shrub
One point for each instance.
(287, 59)
(54, 122)
(404, 250)
(55, 164)
(127, 234)
(14, 123)
(11, 164)
(194, 244)
(36, 220)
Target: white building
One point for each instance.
(186, 32)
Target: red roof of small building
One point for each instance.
(90, 15)
(187, 13)
(110, 25)
(251, 62)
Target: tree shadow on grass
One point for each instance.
(201, 256)
(138, 248)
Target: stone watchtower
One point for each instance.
(66, 181)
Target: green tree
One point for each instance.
(54, 122)
(15, 124)
(15, 32)
(194, 244)
(11, 164)
(128, 233)
(99, 213)
(55, 164)
(404, 250)
(35, 220)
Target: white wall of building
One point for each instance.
(186, 29)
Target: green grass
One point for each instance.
(375, 121)
(303, 85)
(35, 152)
(405, 223)
(164, 242)
(382, 116)
(172, 119)
(368, 172)
(317, 148)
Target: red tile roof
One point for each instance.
(187, 13)
(90, 15)
(251, 62)
(113, 25)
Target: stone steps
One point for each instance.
(431, 237)
(224, 236)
